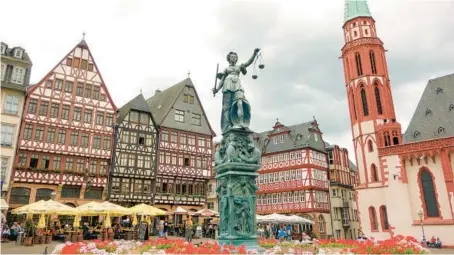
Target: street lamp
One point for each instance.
(421, 215)
(53, 195)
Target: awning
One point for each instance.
(3, 205)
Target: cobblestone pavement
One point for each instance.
(12, 248)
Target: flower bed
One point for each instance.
(160, 246)
(397, 245)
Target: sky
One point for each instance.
(150, 45)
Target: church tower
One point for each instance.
(371, 107)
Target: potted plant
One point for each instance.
(48, 236)
(29, 232)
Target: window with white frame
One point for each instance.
(296, 197)
(280, 157)
(285, 156)
(275, 140)
(298, 154)
(18, 53)
(290, 197)
(298, 174)
(302, 196)
(18, 75)
(281, 138)
(286, 175)
(274, 198)
(179, 115)
(292, 155)
(292, 174)
(275, 158)
(276, 177)
(3, 49)
(7, 135)
(281, 176)
(284, 197)
(4, 168)
(11, 105)
(3, 70)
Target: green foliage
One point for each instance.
(29, 228)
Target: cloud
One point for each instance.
(151, 45)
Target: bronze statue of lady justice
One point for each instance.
(236, 111)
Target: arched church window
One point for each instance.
(373, 218)
(387, 139)
(378, 99)
(372, 61)
(354, 104)
(370, 146)
(359, 68)
(364, 101)
(374, 173)
(428, 192)
(395, 140)
(384, 218)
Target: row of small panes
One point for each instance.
(290, 175)
(289, 197)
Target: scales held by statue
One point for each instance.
(238, 158)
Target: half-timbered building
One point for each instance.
(293, 178)
(133, 169)
(66, 134)
(185, 147)
(342, 177)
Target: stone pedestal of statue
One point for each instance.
(237, 163)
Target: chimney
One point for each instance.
(157, 91)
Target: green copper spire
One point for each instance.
(356, 8)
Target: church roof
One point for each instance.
(356, 8)
(138, 103)
(434, 115)
(301, 135)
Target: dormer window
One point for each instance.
(439, 90)
(299, 137)
(18, 53)
(416, 134)
(428, 112)
(451, 107)
(3, 49)
(441, 130)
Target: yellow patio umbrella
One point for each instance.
(113, 209)
(144, 209)
(76, 222)
(46, 207)
(107, 223)
(89, 209)
(134, 219)
(42, 221)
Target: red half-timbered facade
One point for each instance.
(185, 147)
(66, 134)
(293, 178)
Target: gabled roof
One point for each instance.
(162, 101)
(138, 103)
(434, 115)
(301, 136)
(84, 45)
(356, 8)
